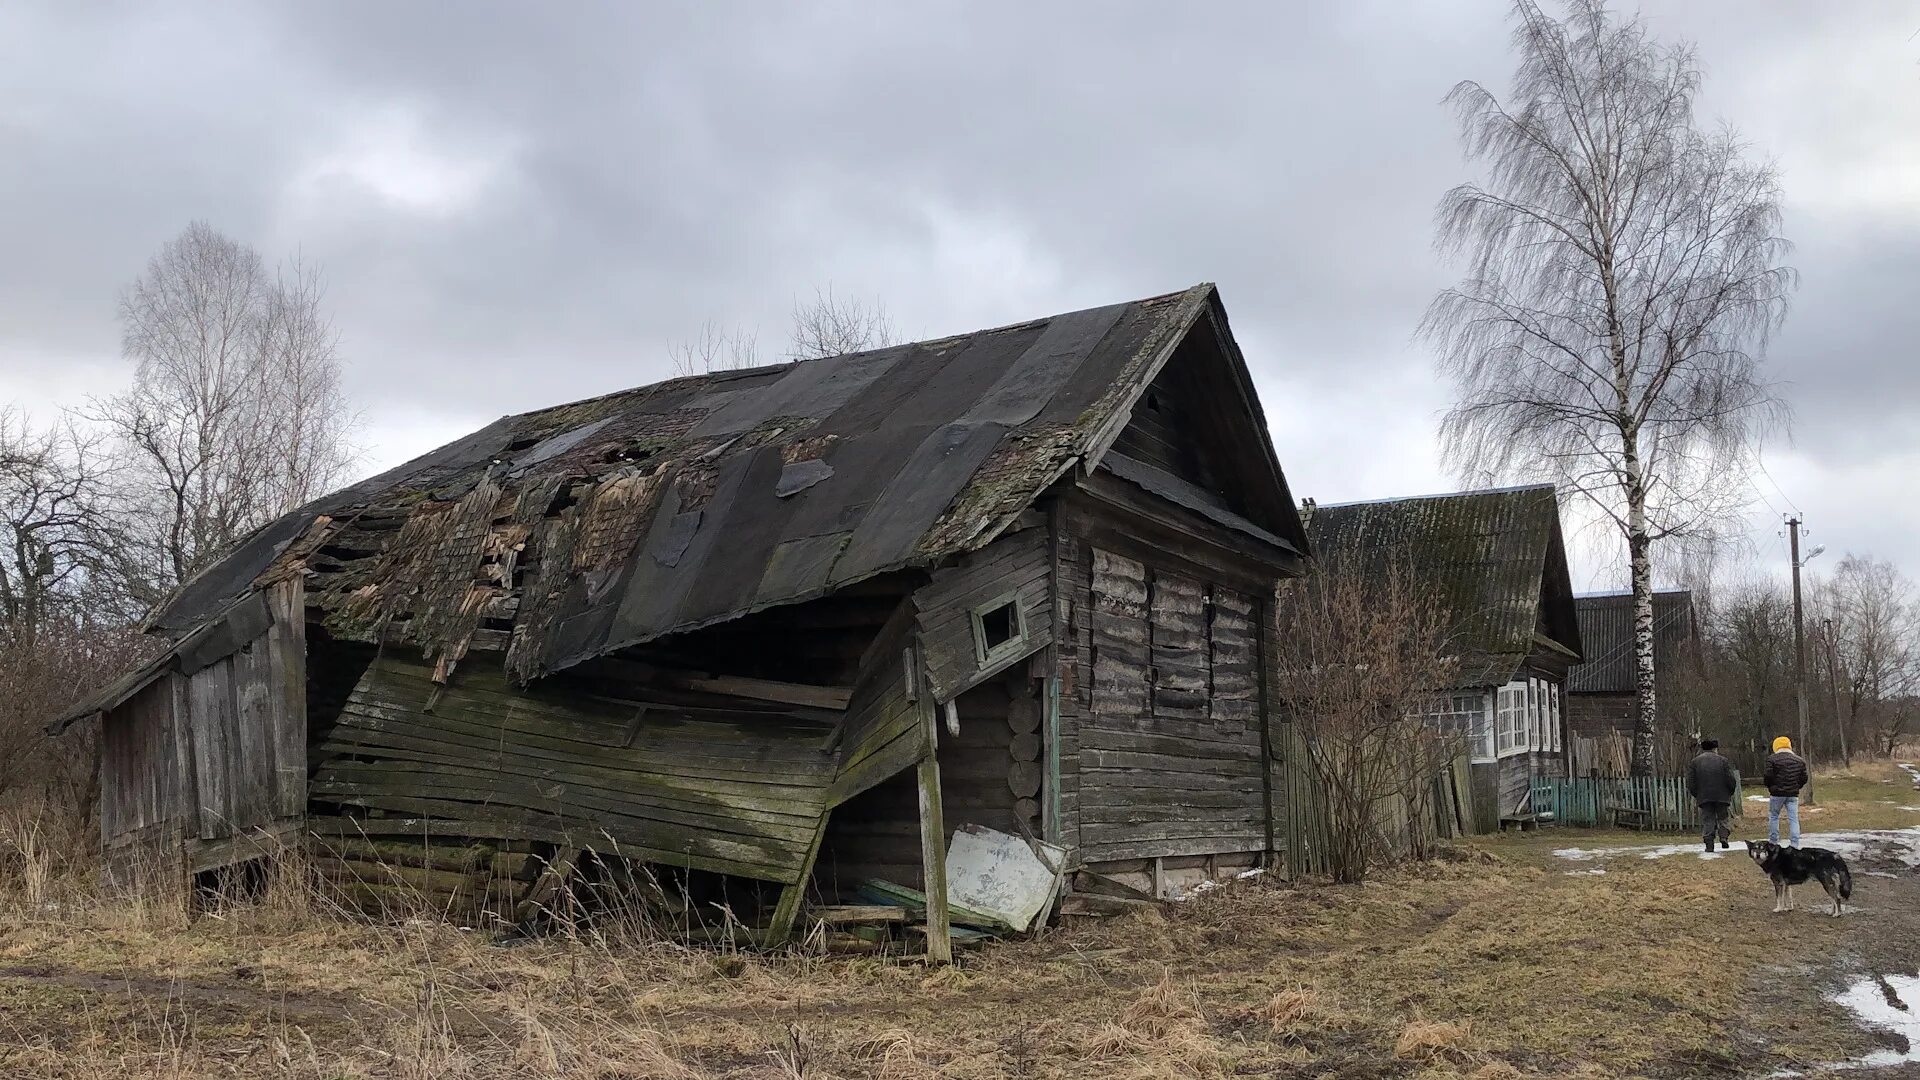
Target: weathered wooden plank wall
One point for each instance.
(1018, 564)
(1167, 765)
(674, 778)
(882, 732)
(214, 752)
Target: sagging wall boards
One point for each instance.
(212, 752)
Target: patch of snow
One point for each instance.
(1584, 873)
(1210, 884)
(1902, 845)
(1867, 1000)
(1758, 798)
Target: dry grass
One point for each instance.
(1498, 964)
(1434, 1040)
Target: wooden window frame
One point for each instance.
(982, 654)
(1510, 719)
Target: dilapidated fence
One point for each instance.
(1611, 753)
(1652, 802)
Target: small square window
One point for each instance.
(997, 628)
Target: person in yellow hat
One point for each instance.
(1785, 775)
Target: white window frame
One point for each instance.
(1558, 735)
(1510, 719)
(1463, 714)
(1537, 714)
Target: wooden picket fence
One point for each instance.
(1591, 801)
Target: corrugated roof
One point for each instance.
(1606, 627)
(604, 523)
(1486, 553)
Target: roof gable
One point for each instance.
(1606, 629)
(591, 526)
(1496, 560)
(1199, 425)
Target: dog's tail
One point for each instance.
(1846, 882)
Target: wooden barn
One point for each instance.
(1497, 563)
(768, 633)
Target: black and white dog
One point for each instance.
(1793, 866)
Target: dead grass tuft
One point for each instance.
(1433, 1040)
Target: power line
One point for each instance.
(1761, 461)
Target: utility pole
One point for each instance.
(1800, 651)
(1833, 688)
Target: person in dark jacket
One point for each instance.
(1712, 783)
(1785, 775)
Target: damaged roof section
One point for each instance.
(573, 531)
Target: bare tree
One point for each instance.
(236, 413)
(1622, 282)
(830, 325)
(1747, 692)
(59, 548)
(1875, 639)
(715, 349)
(1363, 656)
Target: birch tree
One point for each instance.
(236, 414)
(1622, 279)
(827, 325)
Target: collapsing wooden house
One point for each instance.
(788, 626)
(1497, 564)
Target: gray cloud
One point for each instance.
(515, 208)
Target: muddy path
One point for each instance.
(1875, 976)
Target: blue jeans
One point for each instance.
(1791, 804)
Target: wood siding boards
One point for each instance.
(1159, 776)
(883, 732)
(711, 788)
(1017, 565)
(214, 753)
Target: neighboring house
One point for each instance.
(1600, 689)
(789, 625)
(1498, 565)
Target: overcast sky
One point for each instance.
(517, 205)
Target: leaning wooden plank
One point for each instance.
(819, 697)
(780, 928)
(848, 914)
(915, 903)
(559, 868)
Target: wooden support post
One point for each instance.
(1050, 824)
(933, 861)
(1159, 878)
